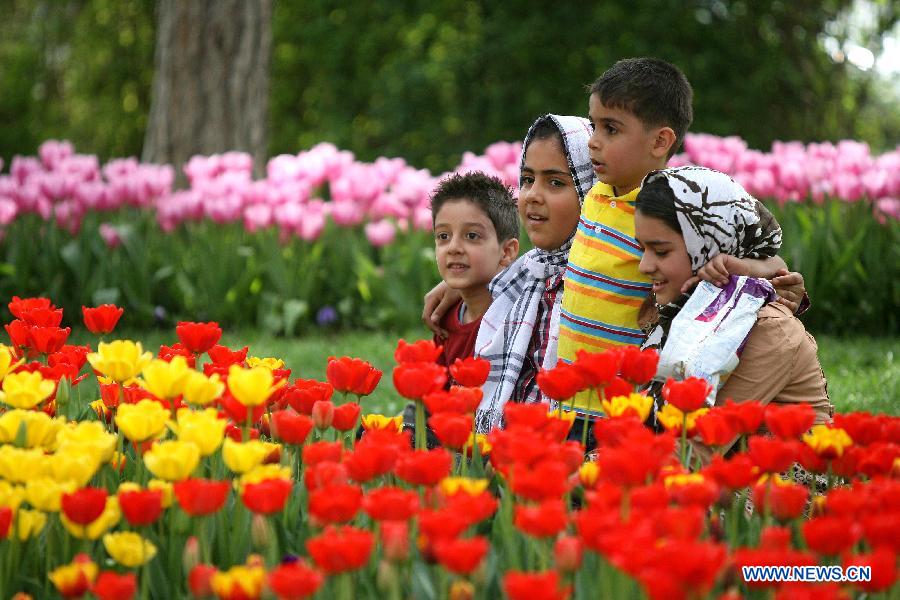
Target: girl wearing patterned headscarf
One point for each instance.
(735, 337)
(520, 328)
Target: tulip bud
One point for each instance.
(264, 425)
(190, 558)
(395, 540)
(386, 577)
(200, 580)
(260, 532)
(567, 553)
(323, 414)
(462, 590)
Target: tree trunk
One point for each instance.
(211, 80)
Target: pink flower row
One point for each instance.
(387, 194)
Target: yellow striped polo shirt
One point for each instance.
(603, 288)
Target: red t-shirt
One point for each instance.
(460, 341)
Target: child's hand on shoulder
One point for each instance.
(790, 288)
(717, 270)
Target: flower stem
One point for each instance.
(420, 426)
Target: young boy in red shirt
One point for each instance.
(476, 235)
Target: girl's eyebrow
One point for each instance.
(547, 171)
(656, 242)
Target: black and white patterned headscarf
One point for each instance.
(507, 326)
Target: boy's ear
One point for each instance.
(665, 139)
(510, 250)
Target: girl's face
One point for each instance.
(666, 260)
(548, 199)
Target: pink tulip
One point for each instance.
(110, 235)
(380, 233)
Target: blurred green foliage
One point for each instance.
(429, 80)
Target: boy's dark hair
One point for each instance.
(655, 91)
(488, 193)
(657, 200)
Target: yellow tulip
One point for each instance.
(242, 457)
(75, 464)
(172, 460)
(29, 523)
(484, 446)
(167, 489)
(239, 581)
(203, 428)
(128, 549)
(8, 361)
(682, 479)
(251, 387)
(270, 362)
(72, 576)
(108, 519)
(11, 496)
(450, 486)
(375, 421)
(45, 493)
(19, 465)
(828, 441)
(166, 379)
(201, 390)
(120, 360)
(89, 436)
(143, 421)
(672, 418)
(588, 473)
(638, 405)
(262, 473)
(26, 390)
(40, 428)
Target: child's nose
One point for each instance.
(646, 266)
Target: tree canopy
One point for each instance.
(429, 80)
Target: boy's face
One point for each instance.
(622, 150)
(466, 246)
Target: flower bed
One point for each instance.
(206, 471)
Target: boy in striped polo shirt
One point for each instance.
(640, 110)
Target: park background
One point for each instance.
(438, 85)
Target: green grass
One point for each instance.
(862, 372)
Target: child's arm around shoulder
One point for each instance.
(788, 285)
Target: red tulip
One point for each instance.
(567, 553)
(520, 585)
(223, 356)
(461, 400)
(734, 474)
(167, 353)
(295, 580)
(745, 417)
(474, 508)
(548, 480)
(20, 306)
(394, 539)
(789, 421)
(18, 333)
(141, 507)
(883, 563)
(325, 474)
(771, 455)
(370, 460)
(341, 549)
(542, 520)
(102, 319)
(451, 429)
(688, 395)
(352, 375)
(598, 368)
(715, 429)
(84, 506)
(442, 524)
(323, 414)
(303, 394)
(638, 366)
(830, 536)
(198, 337)
(862, 427)
(75, 356)
(43, 317)
(783, 499)
(470, 372)
(290, 427)
(115, 586)
(461, 556)
(416, 380)
(419, 351)
(6, 516)
(200, 580)
(346, 416)
(561, 382)
(390, 503)
(335, 504)
(198, 497)
(617, 387)
(424, 467)
(268, 496)
(322, 452)
(47, 340)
